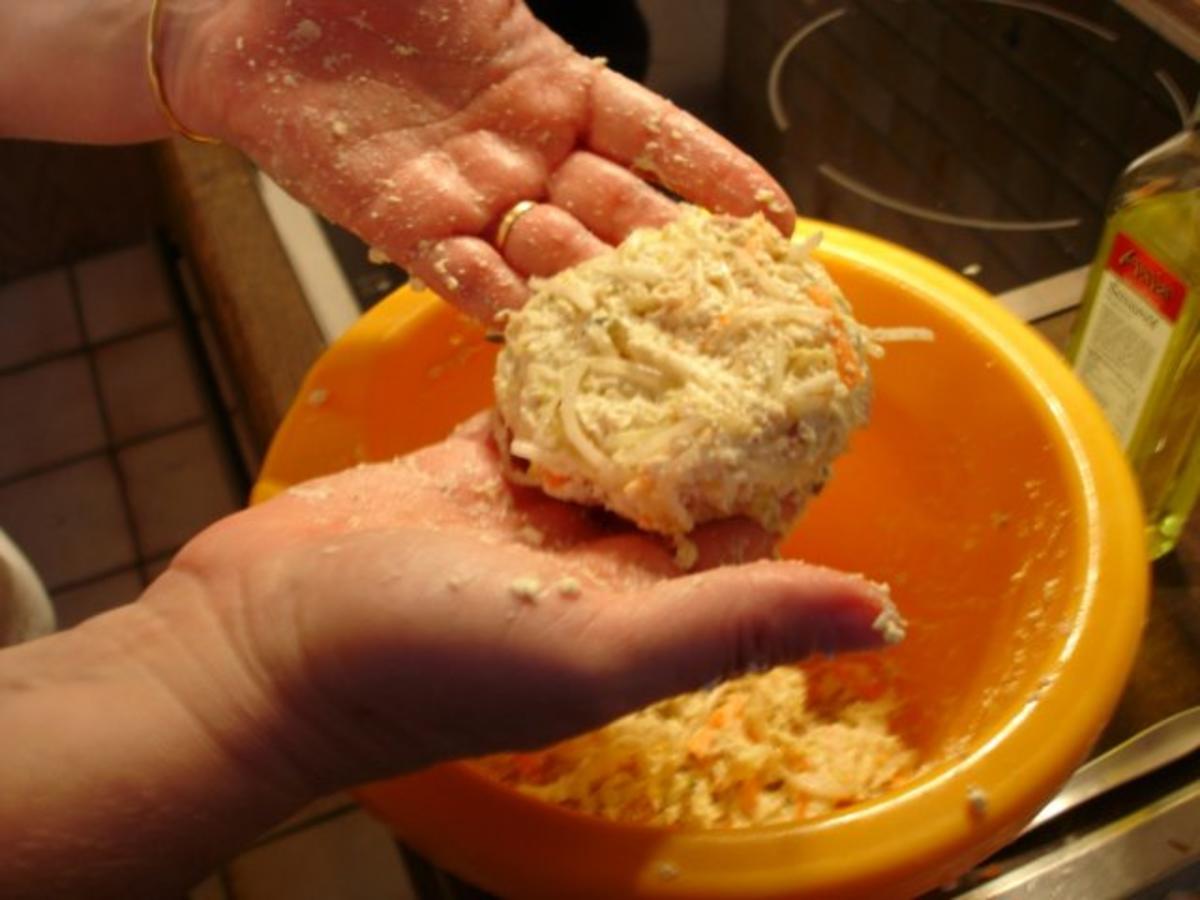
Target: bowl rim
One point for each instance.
(899, 845)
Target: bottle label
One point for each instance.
(1137, 304)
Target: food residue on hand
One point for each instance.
(567, 587)
(306, 32)
(890, 623)
(526, 588)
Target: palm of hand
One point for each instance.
(418, 124)
(425, 609)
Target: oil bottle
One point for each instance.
(1136, 343)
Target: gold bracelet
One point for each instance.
(156, 87)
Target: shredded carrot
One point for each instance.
(637, 485)
(822, 297)
(699, 744)
(638, 810)
(530, 766)
(730, 709)
(747, 794)
(554, 479)
(797, 762)
(849, 369)
(801, 804)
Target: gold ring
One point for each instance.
(510, 219)
(156, 87)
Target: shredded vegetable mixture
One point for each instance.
(754, 751)
(707, 369)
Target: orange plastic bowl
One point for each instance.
(987, 490)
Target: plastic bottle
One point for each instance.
(1136, 343)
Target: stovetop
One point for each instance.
(986, 134)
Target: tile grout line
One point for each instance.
(91, 580)
(109, 573)
(106, 424)
(114, 446)
(84, 344)
(166, 556)
(217, 416)
(225, 883)
(279, 834)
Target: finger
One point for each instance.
(732, 542)
(499, 170)
(545, 240)
(682, 633)
(456, 189)
(471, 274)
(607, 199)
(478, 429)
(635, 126)
(426, 198)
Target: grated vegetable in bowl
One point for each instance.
(754, 751)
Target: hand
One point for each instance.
(360, 626)
(410, 612)
(418, 124)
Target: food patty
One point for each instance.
(707, 369)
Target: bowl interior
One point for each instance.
(972, 492)
(963, 493)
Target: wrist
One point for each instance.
(268, 647)
(181, 57)
(75, 70)
(110, 751)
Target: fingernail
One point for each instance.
(867, 622)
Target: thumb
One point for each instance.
(681, 634)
